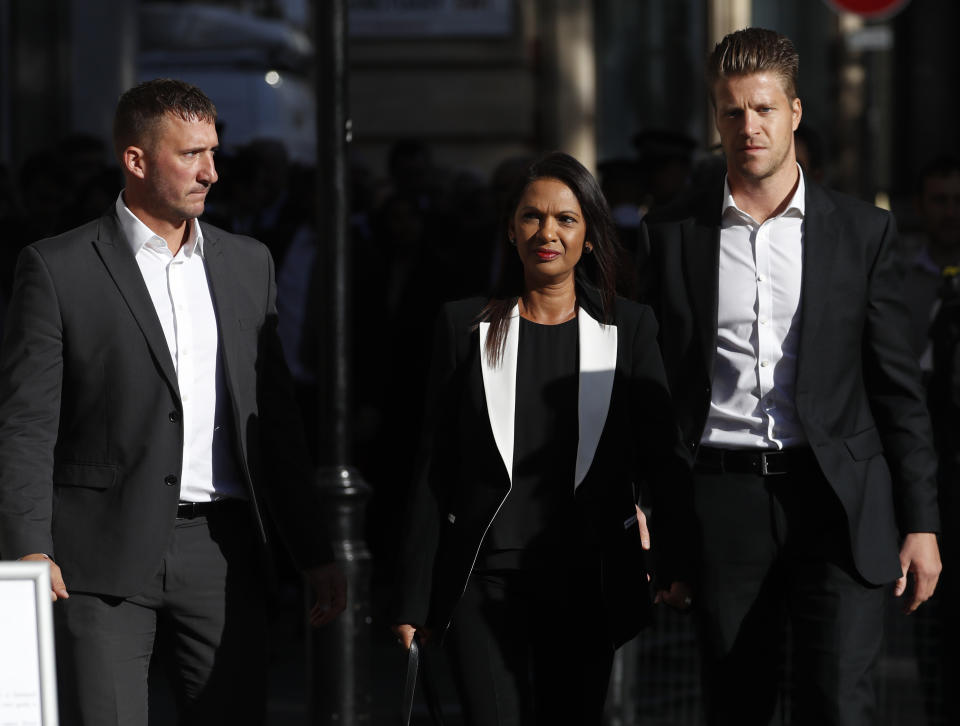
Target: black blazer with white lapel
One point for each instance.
(91, 421)
(626, 432)
(858, 391)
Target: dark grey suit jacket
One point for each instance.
(858, 390)
(91, 424)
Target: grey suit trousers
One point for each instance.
(204, 609)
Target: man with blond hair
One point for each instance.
(785, 340)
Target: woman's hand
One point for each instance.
(405, 631)
(644, 530)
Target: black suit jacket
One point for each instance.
(858, 391)
(627, 433)
(91, 424)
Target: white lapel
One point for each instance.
(500, 388)
(598, 363)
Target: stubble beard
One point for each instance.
(768, 171)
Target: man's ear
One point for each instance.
(797, 109)
(133, 159)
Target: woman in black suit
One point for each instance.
(546, 410)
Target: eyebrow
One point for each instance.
(530, 207)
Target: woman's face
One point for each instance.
(549, 230)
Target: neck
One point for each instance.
(174, 232)
(549, 304)
(767, 197)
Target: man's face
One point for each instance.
(179, 168)
(939, 205)
(756, 121)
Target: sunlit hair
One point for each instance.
(597, 270)
(754, 50)
(141, 108)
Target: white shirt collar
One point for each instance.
(795, 208)
(139, 235)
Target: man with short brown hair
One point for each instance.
(146, 422)
(785, 341)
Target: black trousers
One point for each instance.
(775, 551)
(205, 608)
(530, 648)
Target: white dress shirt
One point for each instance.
(758, 327)
(180, 293)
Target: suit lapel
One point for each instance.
(820, 242)
(500, 388)
(598, 364)
(122, 266)
(221, 286)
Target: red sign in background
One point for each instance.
(869, 8)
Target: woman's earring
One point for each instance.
(588, 248)
(512, 241)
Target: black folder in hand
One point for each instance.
(416, 665)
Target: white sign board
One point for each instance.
(424, 18)
(28, 685)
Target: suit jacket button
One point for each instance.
(174, 416)
(170, 480)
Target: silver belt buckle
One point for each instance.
(764, 468)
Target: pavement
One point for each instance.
(658, 687)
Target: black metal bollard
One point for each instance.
(339, 654)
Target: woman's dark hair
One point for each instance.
(597, 270)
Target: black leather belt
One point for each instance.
(748, 461)
(192, 510)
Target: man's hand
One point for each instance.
(58, 591)
(331, 588)
(679, 596)
(921, 556)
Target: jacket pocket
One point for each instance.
(864, 445)
(92, 476)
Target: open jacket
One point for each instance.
(626, 434)
(91, 420)
(858, 392)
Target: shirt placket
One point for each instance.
(183, 330)
(765, 339)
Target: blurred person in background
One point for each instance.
(934, 250)
(547, 404)
(809, 149)
(785, 339)
(932, 294)
(666, 164)
(264, 200)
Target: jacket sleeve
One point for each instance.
(892, 379)
(31, 372)
(663, 461)
(433, 471)
(292, 495)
